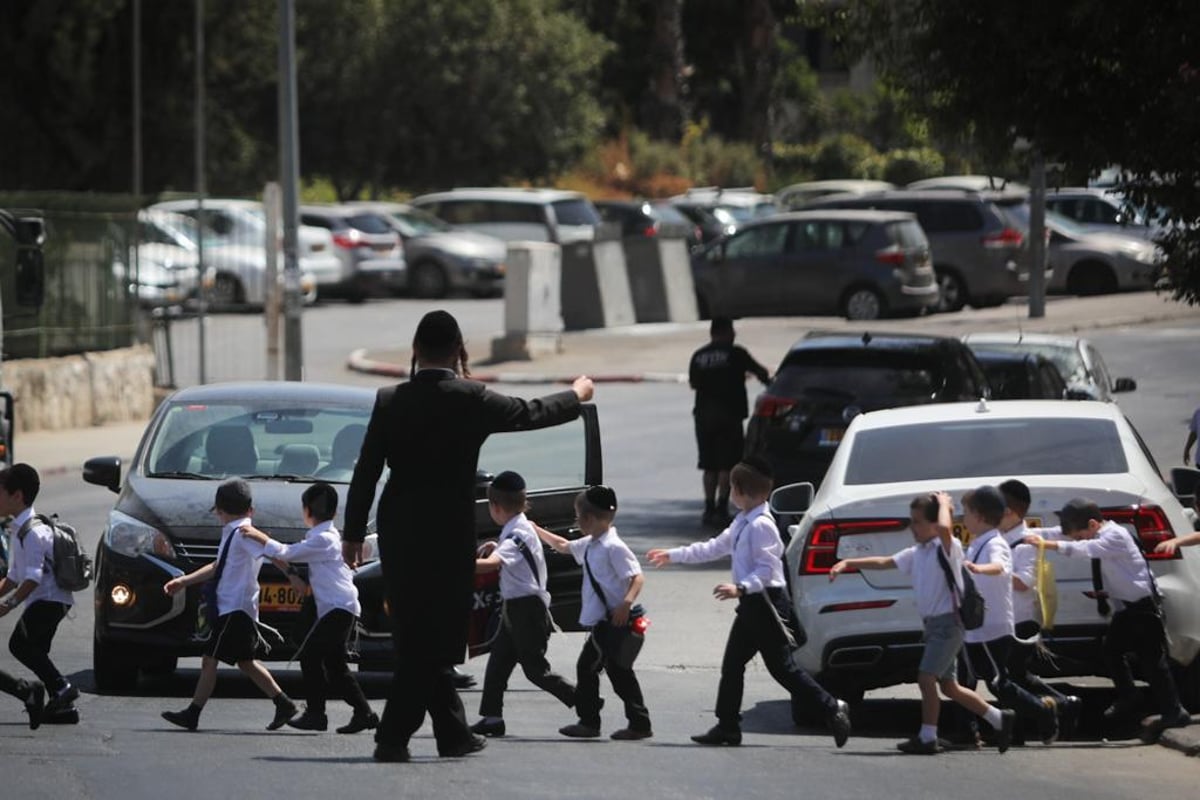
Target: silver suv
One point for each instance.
(537, 215)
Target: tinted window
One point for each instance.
(827, 235)
(521, 213)
(575, 212)
(665, 213)
(462, 212)
(763, 240)
(320, 222)
(369, 223)
(1009, 380)
(1100, 212)
(1067, 359)
(873, 379)
(1017, 447)
(907, 234)
(945, 217)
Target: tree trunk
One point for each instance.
(759, 59)
(664, 108)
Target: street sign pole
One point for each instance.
(289, 180)
(1037, 236)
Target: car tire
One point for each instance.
(1091, 277)
(226, 292)
(111, 671)
(428, 280)
(863, 303)
(1187, 683)
(952, 292)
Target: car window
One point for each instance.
(761, 240)
(369, 223)
(1009, 381)
(318, 221)
(524, 213)
(463, 212)
(547, 458)
(668, 214)
(1015, 447)
(1098, 211)
(946, 217)
(575, 212)
(825, 235)
(1099, 369)
(1067, 359)
(873, 379)
(907, 234)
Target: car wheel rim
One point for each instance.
(950, 293)
(863, 305)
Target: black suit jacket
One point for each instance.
(428, 431)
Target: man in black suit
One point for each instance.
(428, 431)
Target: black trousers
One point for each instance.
(30, 641)
(323, 664)
(988, 661)
(758, 627)
(421, 686)
(524, 631)
(593, 660)
(1137, 630)
(1020, 659)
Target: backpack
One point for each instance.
(72, 564)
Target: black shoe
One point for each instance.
(579, 730)
(1069, 709)
(1153, 728)
(1004, 734)
(839, 723)
(630, 735)
(63, 716)
(471, 745)
(35, 703)
(64, 699)
(488, 727)
(391, 753)
(309, 721)
(916, 747)
(1122, 709)
(717, 735)
(1048, 724)
(285, 709)
(360, 722)
(462, 680)
(187, 719)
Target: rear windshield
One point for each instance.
(369, 223)
(1009, 381)
(870, 379)
(934, 451)
(907, 234)
(575, 212)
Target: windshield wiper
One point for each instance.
(191, 476)
(279, 477)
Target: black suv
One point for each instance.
(827, 378)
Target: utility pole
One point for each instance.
(202, 314)
(1037, 235)
(289, 179)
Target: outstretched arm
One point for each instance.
(866, 562)
(559, 543)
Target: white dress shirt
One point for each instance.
(752, 540)
(331, 580)
(33, 560)
(1122, 566)
(1024, 569)
(237, 589)
(612, 564)
(930, 587)
(997, 590)
(516, 580)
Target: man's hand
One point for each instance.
(658, 557)
(726, 591)
(584, 389)
(352, 553)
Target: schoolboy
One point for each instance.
(525, 617)
(323, 651)
(30, 580)
(988, 648)
(752, 541)
(612, 580)
(935, 554)
(1136, 627)
(235, 634)
(1026, 627)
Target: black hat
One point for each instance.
(438, 331)
(988, 502)
(602, 498)
(233, 497)
(760, 465)
(508, 481)
(1076, 514)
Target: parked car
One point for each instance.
(538, 215)
(372, 257)
(742, 204)
(862, 629)
(243, 223)
(1022, 376)
(798, 195)
(861, 264)
(980, 252)
(828, 378)
(1078, 361)
(1095, 263)
(1099, 211)
(969, 183)
(642, 219)
(442, 258)
(712, 222)
(161, 270)
(281, 437)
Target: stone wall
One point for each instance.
(82, 391)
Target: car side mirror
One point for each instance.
(1124, 385)
(1184, 482)
(795, 498)
(103, 471)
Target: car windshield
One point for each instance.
(1065, 357)
(1053, 219)
(368, 223)
(869, 379)
(1014, 447)
(414, 222)
(575, 212)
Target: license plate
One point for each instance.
(962, 534)
(278, 597)
(831, 437)
(381, 248)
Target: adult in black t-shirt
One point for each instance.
(718, 375)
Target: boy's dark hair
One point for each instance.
(321, 501)
(597, 501)
(720, 326)
(752, 477)
(233, 497)
(1076, 514)
(21, 478)
(507, 490)
(987, 502)
(928, 505)
(1016, 496)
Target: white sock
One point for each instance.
(993, 717)
(928, 733)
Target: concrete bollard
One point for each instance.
(533, 320)
(595, 283)
(660, 279)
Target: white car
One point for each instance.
(1077, 359)
(161, 271)
(863, 630)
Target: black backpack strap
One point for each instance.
(955, 593)
(223, 551)
(587, 568)
(529, 559)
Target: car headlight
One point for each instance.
(132, 537)
(1146, 256)
(370, 549)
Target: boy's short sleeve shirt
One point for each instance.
(238, 587)
(332, 582)
(516, 579)
(612, 564)
(1024, 569)
(997, 590)
(930, 588)
(33, 560)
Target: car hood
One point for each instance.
(465, 244)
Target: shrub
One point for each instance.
(905, 166)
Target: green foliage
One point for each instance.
(712, 161)
(847, 156)
(905, 166)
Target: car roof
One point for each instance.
(848, 184)
(1020, 338)
(1006, 356)
(378, 206)
(501, 193)
(971, 183)
(279, 391)
(844, 214)
(715, 195)
(840, 340)
(989, 409)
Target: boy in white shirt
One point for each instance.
(752, 541)
(31, 580)
(935, 554)
(612, 580)
(235, 634)
(322, 654)
(525, 622)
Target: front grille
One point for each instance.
(196, 551)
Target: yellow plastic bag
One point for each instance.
(1047, 588)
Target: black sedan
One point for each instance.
(281, 437)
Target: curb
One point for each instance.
(359, 362)
(1178, 739)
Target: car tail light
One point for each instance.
(770, 405)
(1152, 527)
(820, 551)
(650, 230)
(860, 605)
(890, 255)
(1009, 237)
(349, 239)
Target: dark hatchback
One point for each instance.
(1023, 376)
(828, 378)
(281, 437)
